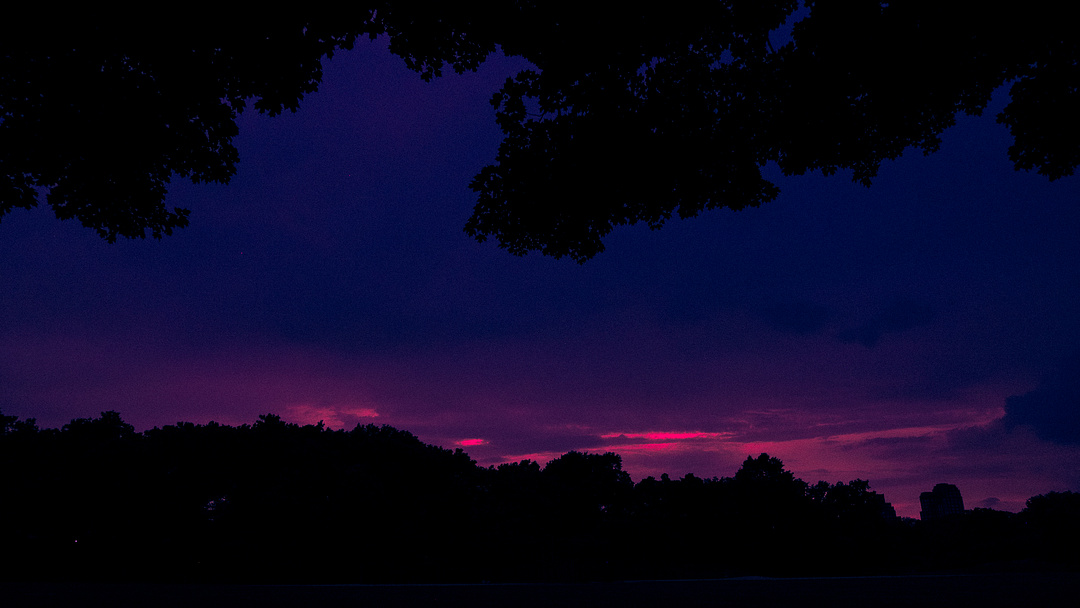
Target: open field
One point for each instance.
(982, 590)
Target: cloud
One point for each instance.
(333, 416)
(1053, 409)
(896, 448)
(903, 314)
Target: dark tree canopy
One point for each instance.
(676, 111)
(100, 112)
(279, 502)
(627, 117)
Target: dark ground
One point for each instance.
(981, 590)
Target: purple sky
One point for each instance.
(854, 333)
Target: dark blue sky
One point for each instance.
(875, 333)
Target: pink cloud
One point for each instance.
(538, 403)
(333, 416)
(56, 378)
(659, 436)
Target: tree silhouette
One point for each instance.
(1054, 522)
(275, 501)
(628, 117)
(677, 111)
(99, 112)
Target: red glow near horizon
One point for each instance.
(646, 447)
(333, 416)
(471, 442)
(663, 435)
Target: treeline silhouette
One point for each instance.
(273, 501)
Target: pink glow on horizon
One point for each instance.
(335, 417)
(910, 448)
(662, 435)
(644, 447)
(541, 458)
(894, 460)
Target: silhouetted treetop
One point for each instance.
(275, 501)
(591, 483)
(100, 111)
(626, 116)
(676, 111)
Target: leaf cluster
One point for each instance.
(98, 112)
(626, 116)
(636, 117)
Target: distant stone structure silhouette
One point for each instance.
(887, 510)
(942, 501)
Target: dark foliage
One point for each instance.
(1053, 520)
(627, 117)
(99, 111)
(638, 117)
(269, 501)
(278, 502)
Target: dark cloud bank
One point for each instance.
(1053, 409)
